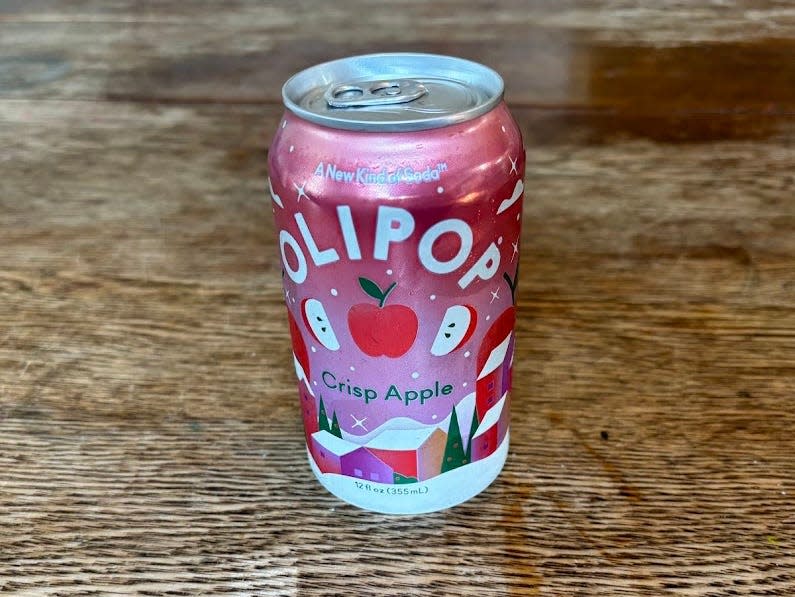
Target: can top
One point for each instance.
(393, 92)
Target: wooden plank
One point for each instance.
(139, 509)
(645, 58)
(149, 440)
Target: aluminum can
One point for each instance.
(396, 182)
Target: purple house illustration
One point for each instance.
(335, 455)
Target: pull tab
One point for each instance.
(374, 93)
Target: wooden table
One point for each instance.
(150, 440)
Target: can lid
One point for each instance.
(393, 92)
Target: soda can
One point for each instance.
(396, 182)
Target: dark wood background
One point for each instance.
(150, 441)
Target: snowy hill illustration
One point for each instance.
(464, 409)
(397, 423)
(404, 450)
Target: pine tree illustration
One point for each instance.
(335, 426)
(454, 455)
(322, 419)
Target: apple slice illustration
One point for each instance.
(318, 323)
(300, 353)
(457, 327)
(380, 330)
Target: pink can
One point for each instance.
(396, 182)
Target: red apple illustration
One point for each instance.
(382, 330)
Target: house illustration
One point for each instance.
(494, 363)
(416, 453)
(492, 429)
(335, 455)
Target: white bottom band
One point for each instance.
(438, 493)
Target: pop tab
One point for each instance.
(374, 93)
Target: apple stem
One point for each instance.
(389, 289)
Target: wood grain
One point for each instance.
(149, 437)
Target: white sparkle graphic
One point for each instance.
(503, 128)
(515, 249)
(434, 417)
(293, 299)
(488, 317)
(287, 294)
(499, 241)
(334, 292)
(440, 190)
(291, 148)
(358, 423)
(518, 216)
(314, 349)
(389, 272)
(433, 297)
(464, 384)
(314, 383)
(514, 168)
(495, 294)
(415, 375)
(467, 353)
(301, 192)
(353, 368)
(284, 123)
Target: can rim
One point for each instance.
(494, 86)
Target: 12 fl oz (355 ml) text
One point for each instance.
(391, 490)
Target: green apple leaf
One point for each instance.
(375, 291)
(371, 288)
